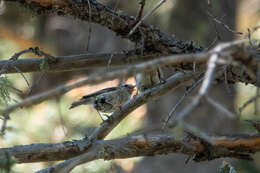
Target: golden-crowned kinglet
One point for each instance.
(107, 100)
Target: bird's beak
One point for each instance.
(77, 103)
(132, 88)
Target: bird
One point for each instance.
(107, 100)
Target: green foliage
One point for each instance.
(226, 168)
(44, 64)
(5, 84)
(6, 163)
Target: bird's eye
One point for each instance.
(85, 97)
(102, 100)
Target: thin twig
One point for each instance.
(208, 78)
(141, 10)
(180, 101)
(97, 78)
(90, 26)
(256, 112)
(106, 127)
(224, 25)
(21, 73)
(209, 75)
(146, 16)
(211, 67)
(4, 125)
(248, 102)
(14, 58)
(221, 108)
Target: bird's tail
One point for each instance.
(81, 102)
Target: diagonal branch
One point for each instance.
(73, 148)
(97, 78)
(121, 24)
(182, 62)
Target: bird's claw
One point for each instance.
(109, 119)
(162, 81)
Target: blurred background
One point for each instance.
(52, 121)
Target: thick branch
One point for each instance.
(182, 62)
(76, 62)
(154, 39)
(246, 56)
(70, 149)
(239, 146)
(97, 78)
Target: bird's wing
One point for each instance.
(90, 98)
(95, 94)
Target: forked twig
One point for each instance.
(180, 101)
(146, 16)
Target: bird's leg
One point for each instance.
(160, 75)
(100, 115)
(137, 92)
(119, 107)
(109, 118)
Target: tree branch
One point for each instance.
(238, 146)
(73, 148)
(77, 62)
(121, 24)
(181, 62)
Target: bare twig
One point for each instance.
(221, 108)
(224, 25)
(210, 72)
(248, 102)
(180, 101)
(120, 23)
(146, 16)
(97, 78)
(209, 75)
(129, 71)
(256, 112)
(73, 148)
(208, 78)
(90, 26)
(13, 59)
(21, 73)
(141, 10)
(106, 127)
(4, 125)
(3, 70)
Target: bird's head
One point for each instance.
(130, 88)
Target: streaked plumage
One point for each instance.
(107, 100)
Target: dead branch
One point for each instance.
(75, 62)
(238, 146)
(186, 60)
(97, 78)
(208, 78)
(154, 42)
(121, 24)
(74, 148)
(146, 16)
